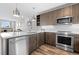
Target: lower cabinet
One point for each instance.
(76, 43)
(50, 38)
(32, 43)
(35, 41)
(40, 39)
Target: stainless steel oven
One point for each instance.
(65, 40)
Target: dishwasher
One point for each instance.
(18, 46)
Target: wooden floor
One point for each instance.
(50, 50)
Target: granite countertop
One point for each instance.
(9, 35)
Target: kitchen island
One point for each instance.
(14, 43)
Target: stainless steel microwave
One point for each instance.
(64, 20)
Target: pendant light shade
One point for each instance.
(16, 12)
(33, 18)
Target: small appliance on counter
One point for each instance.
(19, 30)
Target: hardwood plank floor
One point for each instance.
(50, 50)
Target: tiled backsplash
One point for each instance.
(73, 28)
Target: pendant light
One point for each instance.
(34, 16)
(16, 12)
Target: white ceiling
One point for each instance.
(26, 9)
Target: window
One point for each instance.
(5, 24)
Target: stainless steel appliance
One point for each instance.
(65, 20)
(65, 40)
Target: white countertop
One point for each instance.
(14, 34)
(18, 34)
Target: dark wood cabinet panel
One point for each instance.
(75, 13)
(49, 18)
(32, 43)
(51, 38)
(40, 39)
(44, 19)
(52, 17)
(76, 43)
(35, 41)
(67, 11)
(59, 13)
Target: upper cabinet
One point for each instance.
(67, 11)
(52, 17)
(59, 13)
(49, 18)
(75, 13)
(44, 19)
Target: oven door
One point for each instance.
(66, 41)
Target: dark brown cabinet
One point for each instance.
(35, 41)
(67, 11)
(40, 39)
(32, 43)
(59, 13)
(49, 18)
(76, 43)
(75, 13)
(44, 19)
(50, 38)
(52, 17)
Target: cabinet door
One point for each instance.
(42, 36)
(40, 39)
(51, 38)
(75, 13)
(52, 17)
(67, 11)
(32, 43)
(76, 43)
(59, 13)
(44, 19)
